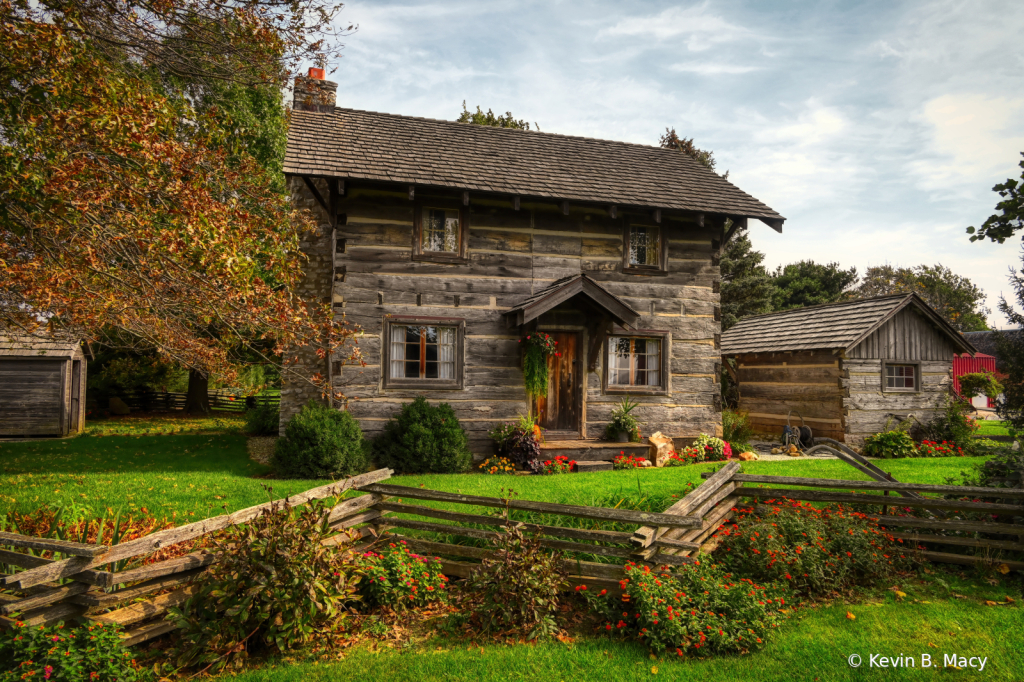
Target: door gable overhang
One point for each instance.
(565, 289)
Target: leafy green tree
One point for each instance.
(1010, 351)
(809, 283)
(706, 157)
(1001, 226)
(958, 300)
(506, 120)
(747, 286)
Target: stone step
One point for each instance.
(594, 465)
(591, 450)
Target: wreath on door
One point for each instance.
(538, 348)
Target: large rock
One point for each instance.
(118, 406)
(661, 447)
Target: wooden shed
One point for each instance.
(845, 367)
(42, 387)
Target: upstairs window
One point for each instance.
(644, 249)
(635, 362)
(441, 228)
(644, 246)
(440, 234)
(900, 377)
(424, 353)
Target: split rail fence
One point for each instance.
(597, 540)
(43, 591)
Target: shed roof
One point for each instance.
(831, 326)
(23, 345)
(348, 143)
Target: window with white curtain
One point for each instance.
(634, 362)
(440, 232)
(423, 354)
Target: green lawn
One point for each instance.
(813, 646)
(198, 475)
(193, 475)
(992, 428)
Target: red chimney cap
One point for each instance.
(316, 74)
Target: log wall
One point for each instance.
(511, 254)
(808, 382)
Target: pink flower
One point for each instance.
(48, 670)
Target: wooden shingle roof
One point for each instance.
(353, 144)
(831, 326)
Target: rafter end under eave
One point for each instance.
(774, 223)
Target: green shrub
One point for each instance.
(736, 430)
(66, 653)
(263, 420)
(320, 442)
(422, 439)
(890, 445)
(275, 587)
(699, 607)
(813, 551)
(399, 579)
(954, 426)
(516, 588)
(624, 421)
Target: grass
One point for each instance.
(182, 476)
(812, 646)
(993, 428)
(195, 474)
(165, 424)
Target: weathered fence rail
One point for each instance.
(76, 583)
(1007, 504)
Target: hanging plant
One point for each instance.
(538, 347)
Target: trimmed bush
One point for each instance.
(890, 445)
(263, 420)
(697, 609)
(320, 442)
(422, 439)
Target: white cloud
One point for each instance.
(973, 138)
(699, 27)
(712, 69)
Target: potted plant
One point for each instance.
(624, 426)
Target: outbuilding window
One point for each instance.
(424, 353)
(900, 377)
(636, 364)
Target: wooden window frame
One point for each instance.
(419, 254)
(627, 228)
(425, 384)
(916, 364)
(666, 363)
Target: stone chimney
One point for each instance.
(313, 93)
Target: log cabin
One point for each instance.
(446, 243)
(42, 387)
(845, 369)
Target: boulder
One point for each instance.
(661, 447)
(118, 406)
(748, 456)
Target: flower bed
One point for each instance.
(559, 465)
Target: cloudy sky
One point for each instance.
(876, 128)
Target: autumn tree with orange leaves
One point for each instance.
(129, 212)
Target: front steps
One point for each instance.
(591, 451)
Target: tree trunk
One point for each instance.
(197, 399)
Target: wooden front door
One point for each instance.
(559, 412)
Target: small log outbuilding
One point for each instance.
(846, 368)
(42, 387)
